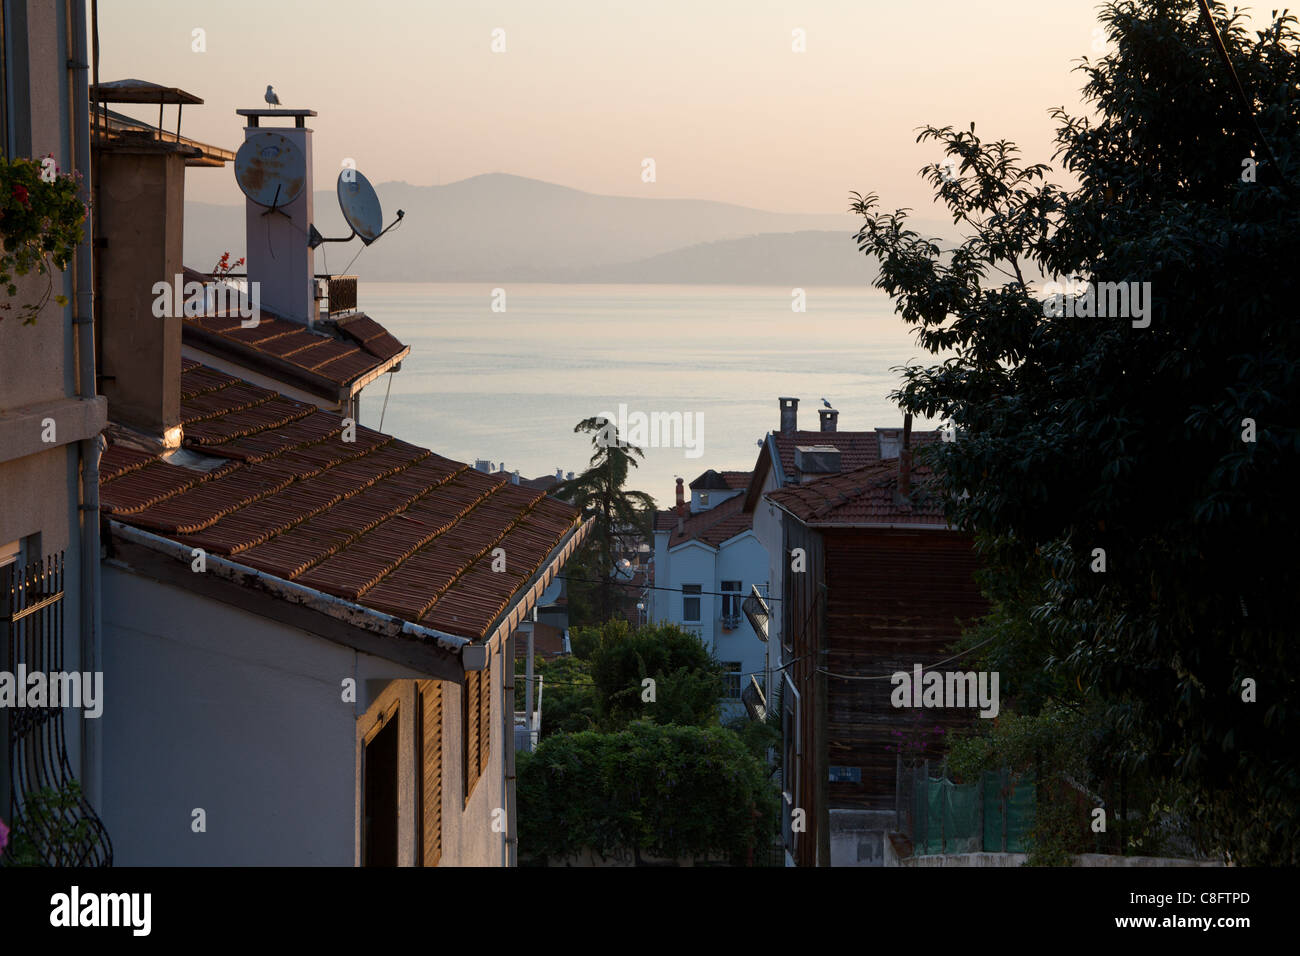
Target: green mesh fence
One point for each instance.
(994, 815)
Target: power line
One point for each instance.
(654, 587)
(925, 668)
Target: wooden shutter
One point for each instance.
(485, 718)
(430, 711)
(471, 721)
(478, 726)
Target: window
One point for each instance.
(429, 793)
(731, 679)
(477, 725)
(704, 499)
(731, 603)
(379, 836)
(691, 604)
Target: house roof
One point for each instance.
(269, 483)
(715, 526)
(334, 356)
(721, 481)
(665, 519)
(866, 495)
(857, 450)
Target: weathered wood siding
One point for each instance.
(895, 598)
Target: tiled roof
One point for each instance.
(361, 346)
(375, 521)
(863, 496)
(666, 519)
(714, 526)
(713, 480)
(857, 449)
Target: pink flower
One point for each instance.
(4, 836)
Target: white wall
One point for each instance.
(208, 706)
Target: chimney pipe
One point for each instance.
(905, 458)
(789, 415)
(830, 419)
(681, 497)
(138, 235)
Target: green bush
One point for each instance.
(667, 791)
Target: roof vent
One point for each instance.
(817, 459)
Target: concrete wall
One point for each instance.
(208, 706)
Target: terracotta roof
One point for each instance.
(863, 496)
(666, 519)
(714, 526)
(376, 521)
(361, 347)
(857, 449)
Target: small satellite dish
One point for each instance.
(360, 205)
(270, 169)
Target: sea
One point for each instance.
(505, 373)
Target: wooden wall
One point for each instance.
(895, 598)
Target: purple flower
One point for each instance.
(4, 836)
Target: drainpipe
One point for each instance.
(88, 449)
(510, 845)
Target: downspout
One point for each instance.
(88, 449)
(509, 847)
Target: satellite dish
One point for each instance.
(360, 205)
(270, 169)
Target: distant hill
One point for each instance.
(498, 228)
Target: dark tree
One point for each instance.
(1168, 441)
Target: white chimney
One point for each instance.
(278, 255)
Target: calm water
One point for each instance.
(510, 386)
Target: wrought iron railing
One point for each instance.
(49, 817)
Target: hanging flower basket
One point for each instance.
(40, 225)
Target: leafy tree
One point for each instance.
(687, 680)
(670, 792)
(621, 518)
(568, 694)
(1169, 440)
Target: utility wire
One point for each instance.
(1242, 98)
(925, 668)
(654, 587)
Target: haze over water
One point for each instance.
(510, 386)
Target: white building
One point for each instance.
(707, 559)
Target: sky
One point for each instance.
(583, 92)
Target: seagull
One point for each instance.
(271, 98)
(826, 403)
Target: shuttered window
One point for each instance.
(478, 725)
(430, 737)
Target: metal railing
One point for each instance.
(45, 808)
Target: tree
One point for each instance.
(1162, 440)
(671, 792)
(687, 681)
(568, 694)
(620, 518)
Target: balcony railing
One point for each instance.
(52, 823)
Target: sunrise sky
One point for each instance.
(585, 90)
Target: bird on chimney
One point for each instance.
(826, 403)
(271, 98)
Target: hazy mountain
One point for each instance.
(498, 227)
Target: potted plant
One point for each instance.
(41, 221)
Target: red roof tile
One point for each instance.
(857, 449)
(359, 347)
(375, 521)
(714, 526)
(863, 496)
